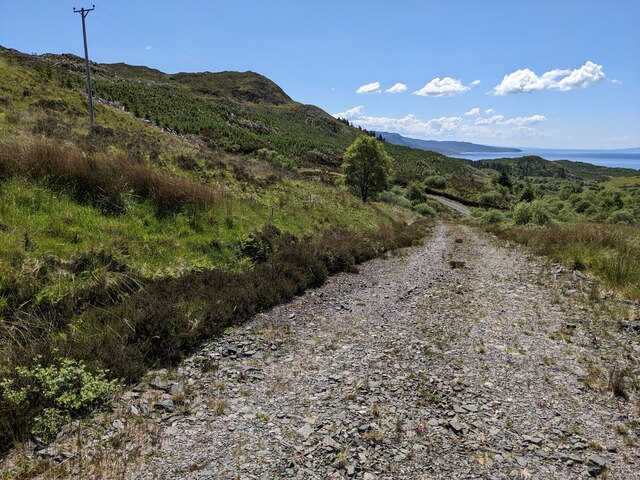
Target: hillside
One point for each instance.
(444, 147)
(240, 113)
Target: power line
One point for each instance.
(83, 13)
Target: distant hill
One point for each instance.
(535, 166)
(444, 147)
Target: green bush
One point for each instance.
(436, 181)
(425, 209)
(540, 215)
(492, 198)
(45, 397)
(522, 214)
(394, 198)
(416, 193)
(622, 216)
(492, 217)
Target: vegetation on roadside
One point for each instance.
(122, 246)
(591, 223)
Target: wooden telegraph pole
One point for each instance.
(83, 13)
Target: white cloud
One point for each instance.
(149, 47)
(474, 83)
(473, 111)
(495, 128)
(397, 88)
(517, 121)
(350, 114)
(489, 111)
(525, 80)
(522, 121)
(490, 120)
(616, 82)
(373, 87)
(444, 87)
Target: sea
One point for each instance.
(628, 158)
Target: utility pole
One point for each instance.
(83, 13)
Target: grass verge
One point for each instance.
(612, 252)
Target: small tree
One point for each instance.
(367, 166)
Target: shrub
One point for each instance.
(522, 214)
(492, 198)
(492, 217)
(41, 398)
(622, 216)
(436, 181)
(416, 193)
(425, 210)
(539, 214)
(527, 195)
(394, 198)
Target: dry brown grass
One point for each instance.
(98, 178)
(610, 251)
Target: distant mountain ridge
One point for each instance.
(444, 147)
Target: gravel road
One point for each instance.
(451, 204)
(459, 359)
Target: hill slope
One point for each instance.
(240, 113)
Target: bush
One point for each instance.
(394, 198)
(539, 214)
(535, 213)
(425, 210)
(492, 217)
(41, 398)
(522, 214)
(491, 199)
(436, 181)
(622, 216)
(416, 193)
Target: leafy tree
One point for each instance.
(527, 194)
(367, 166)
(504, 180)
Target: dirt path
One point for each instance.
(410, 369)
(451, 204)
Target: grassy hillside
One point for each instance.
(239, 113)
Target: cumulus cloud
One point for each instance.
(616, 82)
(494, 128)
(489, 111)
(473, 111)
(474, 83)
(350, 114)
(442, 87)
(517, 121)
(397, 88)
(373, 87)
(525, 80)
(489, 120)
(522, 121)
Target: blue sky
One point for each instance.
(557, 74)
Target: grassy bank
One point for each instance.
(612, 252)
